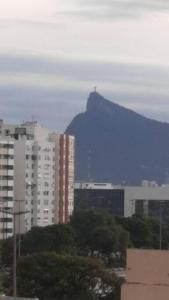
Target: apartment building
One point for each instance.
(43, 174)
(6, 187)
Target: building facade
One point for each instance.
(6, 187)
(43, 174)
(146, 275)
(102, 196)
(146, 200)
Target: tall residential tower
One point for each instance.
(43, 167)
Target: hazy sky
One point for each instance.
(53, 52)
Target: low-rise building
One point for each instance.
(149, 199)
(147, 275)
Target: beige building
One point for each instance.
(147, 275)
(43, 174)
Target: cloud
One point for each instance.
(118, 8)
(54, 90)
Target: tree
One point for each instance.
(139, 230)
(104, 240)
(97, 231)
(57, 238)
(53, 276)
(83, 223)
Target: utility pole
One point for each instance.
(19, 226)
(14, 214)
(160, 233)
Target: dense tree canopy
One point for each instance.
(57, 238)
(53, 276)
(98, 231)
(63, 262)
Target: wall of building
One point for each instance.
(140, 292)
(132, 194)
(6, 187)
(109, 196)
(64, 177)
(109, 200)
(147, 275)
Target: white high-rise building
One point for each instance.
(43, 174)
(6, 187)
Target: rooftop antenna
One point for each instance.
(95, 89)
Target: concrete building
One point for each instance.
(103, 196)
(149, 199)
(43, 174)
(6, 186)
(146, 275)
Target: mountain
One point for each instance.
(118, 145)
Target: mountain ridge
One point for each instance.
(116, 144)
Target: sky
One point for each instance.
(53, 53)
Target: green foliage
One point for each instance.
(104, 240)
(52, 276)
(57, 238)
(61, 262)
(145, 232)
(97, 231)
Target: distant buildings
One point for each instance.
(39, 166)
(147, 275)
(146, 200)
(100, 196)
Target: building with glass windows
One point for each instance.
(43, 174)
(148, 199)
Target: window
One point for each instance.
(6, 177)
(8, 146)
(47, 157)
(46, 166)
(6, 220)
(6, 156)
(46, 184)
(46, 202)
(6, 188)
(46, 193)
(6, 230)
(7, 198)
(6, 167)
(7, 132)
